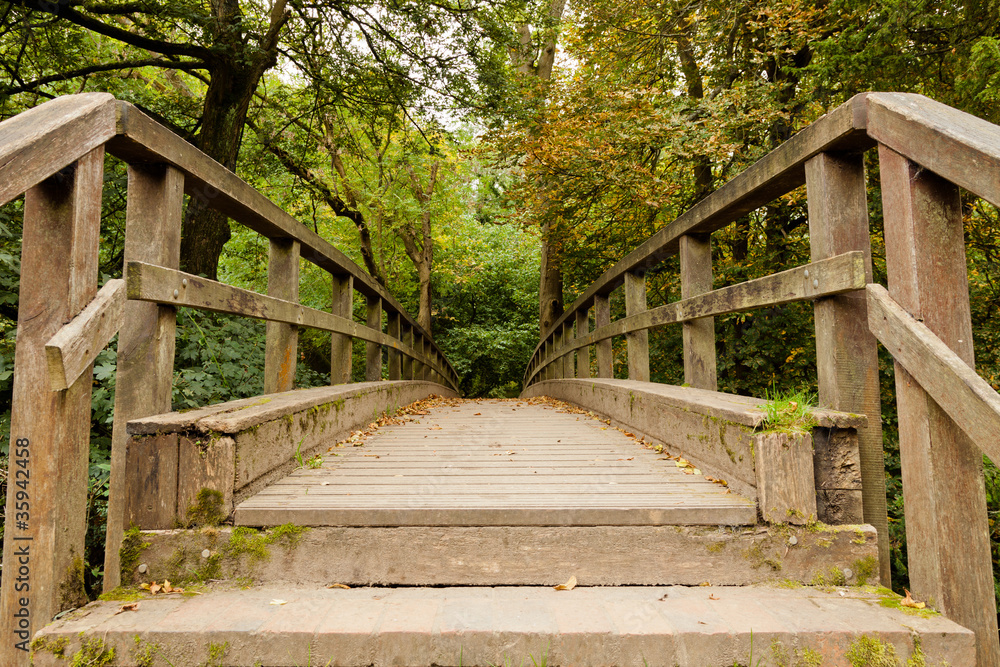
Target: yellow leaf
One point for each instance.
(338, 586)
(910, 602)
(568, 586)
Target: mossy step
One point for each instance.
(587, 626)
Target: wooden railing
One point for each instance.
(948, 416)
(54, 154)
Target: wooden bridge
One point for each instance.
(435, 535)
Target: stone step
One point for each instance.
(641, 626)
(506, 555)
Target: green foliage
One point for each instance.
(789, 411)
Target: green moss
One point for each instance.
(56, 647)
(122, 594)
(715, 547)
(868, 651)
(207, 509)
(216, 654)
(831, 577)
(891, 600)
(93, 653)
(859, 536)
(72, 591)
(758, 558)
(130, 551)
(864, 569)
(144, 653)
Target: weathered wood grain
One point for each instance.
(636, 340)
(75, 346)
(583, 353)
(698, 335)
(967, 398)
(777, 173)
(842, 273)
(846, 351)
(407, 361)
(957, 146)
(46, 514)
(151, 485)
(602, 319)
(146, 282)
(373, 351)
(786, 487)
(281, 346)
(146, 338)
(39, 142)
(948, 544)
(340, 344)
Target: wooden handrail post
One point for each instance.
(340, 345)
(282, 341)
(50, 431)
(395, 357)
(947, 533)
(373, 366)
(583, 354)
(406, 336)
(602, 318)
(569, 368)
(147, 336)
(558, 366)
(698, 335)
(846, 351)
(638, 341)
(425, 349)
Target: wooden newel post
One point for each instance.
(373, 366)
(698, 335)
(846, 351)
(638, 341)
(602, 318)
(395, 357)
(583, 354)
(146, 339)
(340, 345)
(282, 343)
(50, 430)
(947, 533)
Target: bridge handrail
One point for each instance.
(948, 415)
(54, 155)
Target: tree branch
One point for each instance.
(106, 67)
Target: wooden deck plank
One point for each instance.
(495, 463)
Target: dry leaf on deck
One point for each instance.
(338, 586)
(910, 602)
(128, 606)
(279, 602)
(712, 596)
(568, 586)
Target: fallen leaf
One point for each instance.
(910, 602)
(155, 588)
(128, 606)
(663, 598)
(338, 586)
(477, 414)
(279, 602)
(568, 586)
(705, 583)
(711, 596)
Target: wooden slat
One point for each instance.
(340, 344)
(636, 340)
(778, 172)
(583, 354)
(146, 282)
(957, 146)
(373, 351)
(39, 142)
(395, 358)
(141, 139)
(842, 273)
(602, 318)
(967, 398)
(75, 346)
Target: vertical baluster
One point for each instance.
(583, 354)
(395, 358)
(49, 435)
(638, 341)
(557, 348)
(340, 344)
(846, 351)
(146, 338)
(947, 534)
(602, 318)
(282, 339)
(373, 367)
(407, 362)
(699, 334)
(569, 369)
(425, 349)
